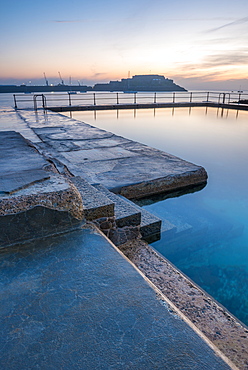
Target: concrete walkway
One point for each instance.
(10, 120)
(121, 165)
(74, 302)
(20, 164)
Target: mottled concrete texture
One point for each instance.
(20, 164)
(213, 320)
(36, 222)
(73, 302)
(34, 200)
(95, 203)
(55, 193)
(27, 179)
(121, 165)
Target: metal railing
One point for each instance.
(74, 99)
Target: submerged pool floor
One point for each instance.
(210, 243)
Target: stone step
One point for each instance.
(179, 225)
(95, 203)
(172, 223)
(168, 227)
(126, 213)
(150, 224)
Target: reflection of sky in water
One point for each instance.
(212, 245)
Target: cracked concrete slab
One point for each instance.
(34, 199)
(20, 163)
(19, 179)
(98, 154)
(74, 132)
(121, 165)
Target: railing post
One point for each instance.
(35, 102)
(155, 98)
(224, 97)
(44, 101)
(134, 98)
(239, 98)
(94, 98)
(173, 100)
(190, 99)
(207, 96)
(15, 101)
(117, 98)
(69, 97)
(219, 98)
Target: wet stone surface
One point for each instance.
(95, 203)
(219, 326)
(72, 301)
(20, 164)
(121, 165)
(35, 201)
(34, 223)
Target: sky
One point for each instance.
(198, 44)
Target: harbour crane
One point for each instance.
(62, 82)
(45, 79)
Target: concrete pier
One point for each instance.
(75, 108)
(69, 297)
(121, 165)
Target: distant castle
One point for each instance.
(135, 84)
(140, 83)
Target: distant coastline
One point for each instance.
(135, 84)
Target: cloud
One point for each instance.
(225, 65)
(199, 19)
(228, 58)
(98, 75)
(230, 24)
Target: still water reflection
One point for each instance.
(210, 239)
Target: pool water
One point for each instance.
(209, 242)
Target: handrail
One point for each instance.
(43, 97)
(74, 99)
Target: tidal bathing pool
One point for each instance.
(208, 240)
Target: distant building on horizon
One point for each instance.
(140, 83)
(134, 84)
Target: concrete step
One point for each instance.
(126, 214)
(150, 224)
(168, 227)
(172, 224)
(175, 225)
(95, 203)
